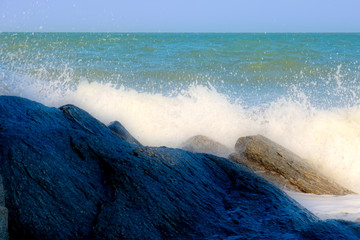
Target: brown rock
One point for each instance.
(202, 144)
(282, 167)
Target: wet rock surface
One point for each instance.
(282, 167)
(68, 176)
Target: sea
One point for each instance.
(301, 90)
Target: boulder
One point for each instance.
(203, 144)
(67, 176)
(282, 167)
(119, 130)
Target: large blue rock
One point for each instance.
(68, 176)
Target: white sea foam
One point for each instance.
(330, 207)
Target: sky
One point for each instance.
(180, 16)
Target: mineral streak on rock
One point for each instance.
(282, 167)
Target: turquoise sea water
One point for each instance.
(301, 90)
(252, 67)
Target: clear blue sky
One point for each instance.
(180, 15)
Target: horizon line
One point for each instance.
(189, 32)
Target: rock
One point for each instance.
(3, 223)
(282, 167)
(2, 193)
(202, 144)
(3, 214)
(120, 131)
(67, 176)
